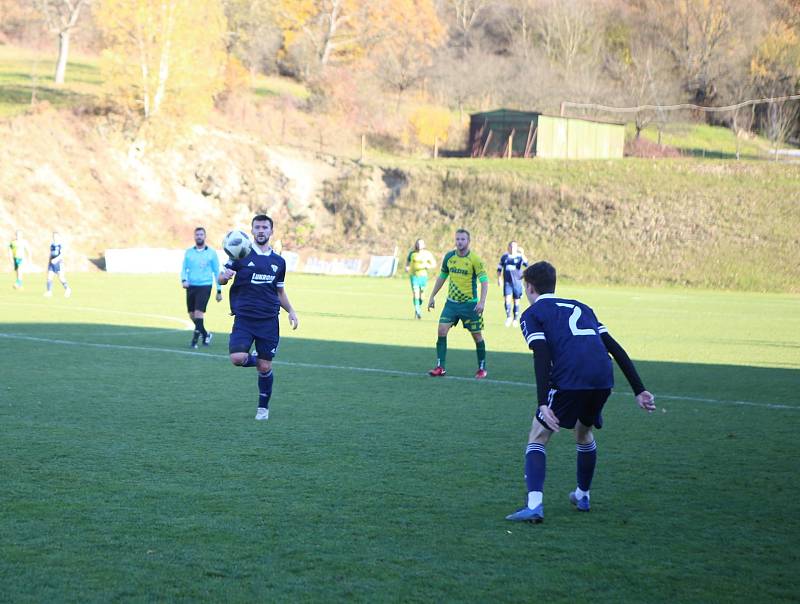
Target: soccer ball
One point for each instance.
(237, 245)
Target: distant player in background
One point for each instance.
(509, 277)
(19, 252)
(55, 266)
(199, 273)
(574, 377)
(417, 264)
(465, 271)
(257, 295)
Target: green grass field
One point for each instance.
(133, 468)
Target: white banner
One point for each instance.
(382, 266)
(149, 260)
(334, 266)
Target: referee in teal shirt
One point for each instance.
(200, 271)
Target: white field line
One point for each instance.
(185, 323)
(380, 371)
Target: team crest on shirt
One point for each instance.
(274, 267)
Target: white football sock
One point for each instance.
(534, 498)
(579, 493)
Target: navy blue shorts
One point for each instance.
(54, 268)
(573, 405)
(512, 289)
(264, 332)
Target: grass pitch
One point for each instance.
(133, 469)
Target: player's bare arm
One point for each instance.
(437, 286)
(287, 306)
(482, 302)
(226, 275)
(549, 418)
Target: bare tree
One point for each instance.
(61, 18)
(704, 38)
(567, 29)
(465, 14)
(781, 122)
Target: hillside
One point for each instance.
(686, 222)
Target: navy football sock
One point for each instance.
(508, 309)
(516, 309)
(587, 459)
(535, 466)
(264, 388)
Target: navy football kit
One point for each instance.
(255, 303)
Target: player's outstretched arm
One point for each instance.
(287, 306)
(643, 398)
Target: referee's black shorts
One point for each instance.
(197, 297)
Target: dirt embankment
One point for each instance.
(77, 175)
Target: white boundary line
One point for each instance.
(530, 386)
(184, 322)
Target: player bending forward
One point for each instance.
(257, 295)
(574, 378)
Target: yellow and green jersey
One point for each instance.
(17, 248)
(464, 273)
(419, 262)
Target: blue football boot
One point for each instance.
(526, 514)
(581, 504)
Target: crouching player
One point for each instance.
(574, 378)
(256, 296)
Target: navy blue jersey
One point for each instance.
(254, 293)
(572, 333)
(511, 267)
(55, 250)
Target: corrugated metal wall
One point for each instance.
(574, 138)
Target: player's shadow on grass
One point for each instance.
(512, 369)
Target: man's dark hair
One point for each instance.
(200, 229)
(260, 217)
(542, 275)
(466, 232)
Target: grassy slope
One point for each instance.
(684, 222)
(26, 73)
(702, 140)
(138, 473)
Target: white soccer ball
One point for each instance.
(237, 245)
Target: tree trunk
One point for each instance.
(63, 53)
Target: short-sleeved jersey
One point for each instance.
(254, 293)
(419, 262)
(17, 247)
(200, 267)
(572, 333)
(464, 273)
(511, 267)
(55, 250)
